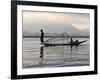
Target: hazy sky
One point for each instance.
(34, 21)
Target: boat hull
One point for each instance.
(74, 43)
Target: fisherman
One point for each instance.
(77, 41)
(71, 40)
(42, 36)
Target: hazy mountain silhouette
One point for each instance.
(57, 29)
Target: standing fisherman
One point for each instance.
(42, 36)
(71, 40)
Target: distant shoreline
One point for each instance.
(56, 37)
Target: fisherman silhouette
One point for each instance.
(71, 40)
(42, 36)
(77, 41)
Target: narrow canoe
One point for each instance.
(74, 43)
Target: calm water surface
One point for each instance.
(36, 55)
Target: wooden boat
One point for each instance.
(71, 44)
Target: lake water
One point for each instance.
(36, 55)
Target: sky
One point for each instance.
(50, 21)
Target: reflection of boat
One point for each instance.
(59, 44)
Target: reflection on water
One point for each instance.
(41, 55)
(36, 55)
(41, 52)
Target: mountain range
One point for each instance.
(58, 30)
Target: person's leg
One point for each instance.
(42, 40)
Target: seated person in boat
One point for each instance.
(76, 41)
